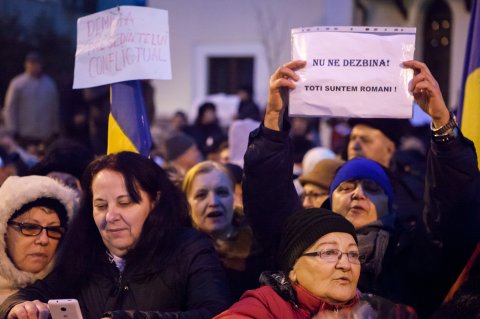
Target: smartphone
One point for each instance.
(64, 309)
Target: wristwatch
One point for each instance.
(452, 122)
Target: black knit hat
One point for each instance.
(304, 228)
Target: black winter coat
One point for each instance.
(191, 285)
(418, 265)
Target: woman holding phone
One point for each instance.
(129, 251)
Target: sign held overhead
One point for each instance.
(121, 44)
(353, 72)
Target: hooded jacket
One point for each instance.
(15, 192)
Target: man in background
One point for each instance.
(31, 109)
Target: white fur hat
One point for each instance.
(15, 192)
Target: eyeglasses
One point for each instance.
(368, 186)
(28, 229)
(334, 255)
(312, 196)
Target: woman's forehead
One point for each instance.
(336, 238)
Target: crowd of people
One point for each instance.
(296, 230)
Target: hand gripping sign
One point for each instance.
(121, 44)
(353, 72)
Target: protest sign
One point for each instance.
(121, 44)
(353, 72)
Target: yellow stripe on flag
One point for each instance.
(117, 140)
(471, 108)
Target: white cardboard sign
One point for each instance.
(353, 72)
(121, 44)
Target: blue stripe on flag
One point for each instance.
(128, 109)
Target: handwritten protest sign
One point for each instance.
(121, 44)
(353, 72)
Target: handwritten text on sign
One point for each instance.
(353, 73)
(121, 44)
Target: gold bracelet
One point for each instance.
(452, 122)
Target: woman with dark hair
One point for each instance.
(206, 130)
(130, 252)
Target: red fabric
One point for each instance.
(264, 302)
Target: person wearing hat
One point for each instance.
(376, 139)
(181, 153)
(316, 182)
(414, 264)
(361, 191)
(380, 140)
(34, 214)
(31, 108)
(319, 271)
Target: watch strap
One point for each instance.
(452, 122)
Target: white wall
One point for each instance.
(198, 27)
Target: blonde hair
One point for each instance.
(204, 168)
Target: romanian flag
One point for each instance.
(469, 111)
(128, 128)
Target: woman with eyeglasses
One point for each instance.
(34, 213)
(316, 182)
(320, 267)
(130, 252)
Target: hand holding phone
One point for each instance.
(64, 309)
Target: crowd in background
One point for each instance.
(206, 224)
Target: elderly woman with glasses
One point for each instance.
(33, 219)
(415, 264)
(320, 267)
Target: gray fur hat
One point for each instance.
(15, 193)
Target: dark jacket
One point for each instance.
(414, 266)
(207, 137)
(407, 175)
(191, 285)
(465, 303)
(242, 259)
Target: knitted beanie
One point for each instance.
(322, 174)
(304, 228)
(176, 144)
(360, 169)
